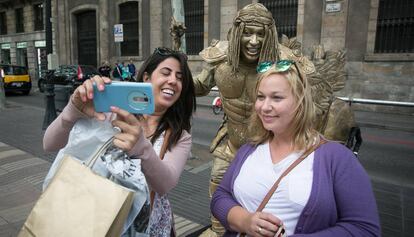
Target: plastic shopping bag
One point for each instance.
(86, 137)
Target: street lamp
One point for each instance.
(50, 113)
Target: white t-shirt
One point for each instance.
(257, 176)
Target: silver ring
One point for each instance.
(117, 129)
(259, 230)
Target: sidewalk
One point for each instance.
(23, 165)
(21, 179)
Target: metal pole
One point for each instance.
(377, 102)
(178, 14)
(50, 113)
(48, 26)
(2, 91)
(366, 101)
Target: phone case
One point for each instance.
(134, 97)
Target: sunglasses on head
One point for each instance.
(280, 66)
(169, 52)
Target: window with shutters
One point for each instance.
(19, 20)
(38, 16)
(194, 22)
(3, 23)
(395, 27)
(128, 17)
(285, 13)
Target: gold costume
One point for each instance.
(235, 77)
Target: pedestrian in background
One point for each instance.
(322, 192)
(131, 69)
(105, 69)
(124, 72)
(142, 136)
(117, 72)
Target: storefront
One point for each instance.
(21, 54)
(41, 57)
(5, 53)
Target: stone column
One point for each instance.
(243, 3)
(310, 24)
(104, 32)
(165, 21)
(334, 26)
(13, 59)
(228, 11)
(11, 21)
(213, 20)
(31, 59)
(146, 28)
(60, 29)
(28, 18)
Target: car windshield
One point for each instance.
(14, 70)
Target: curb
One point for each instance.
(387, 126)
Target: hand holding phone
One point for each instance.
(134, 97)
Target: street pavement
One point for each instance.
(22, 173)
(24, 164)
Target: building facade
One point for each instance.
(378, 35)
(22, 35)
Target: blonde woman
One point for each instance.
(327, 193)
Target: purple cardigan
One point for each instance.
(341, 202)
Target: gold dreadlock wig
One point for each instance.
(253, 14)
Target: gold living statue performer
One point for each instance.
(231, 66)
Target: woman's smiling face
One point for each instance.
(275, 104)
(166, 82)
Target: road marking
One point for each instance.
(202, 167)
(38, 108)
(18, 213)
(36, 179)
(184, 226)
(12, 166)
(14, 152)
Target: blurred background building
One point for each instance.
(22, 35)
(378, 35)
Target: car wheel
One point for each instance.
(41, 84)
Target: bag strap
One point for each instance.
(290, 168)
(162, 153)
(99, 152)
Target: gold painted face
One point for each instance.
(251, 43)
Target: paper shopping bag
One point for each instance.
(79, 203)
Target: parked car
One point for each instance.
(41, 82)
(68, 75)
(16, 78)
